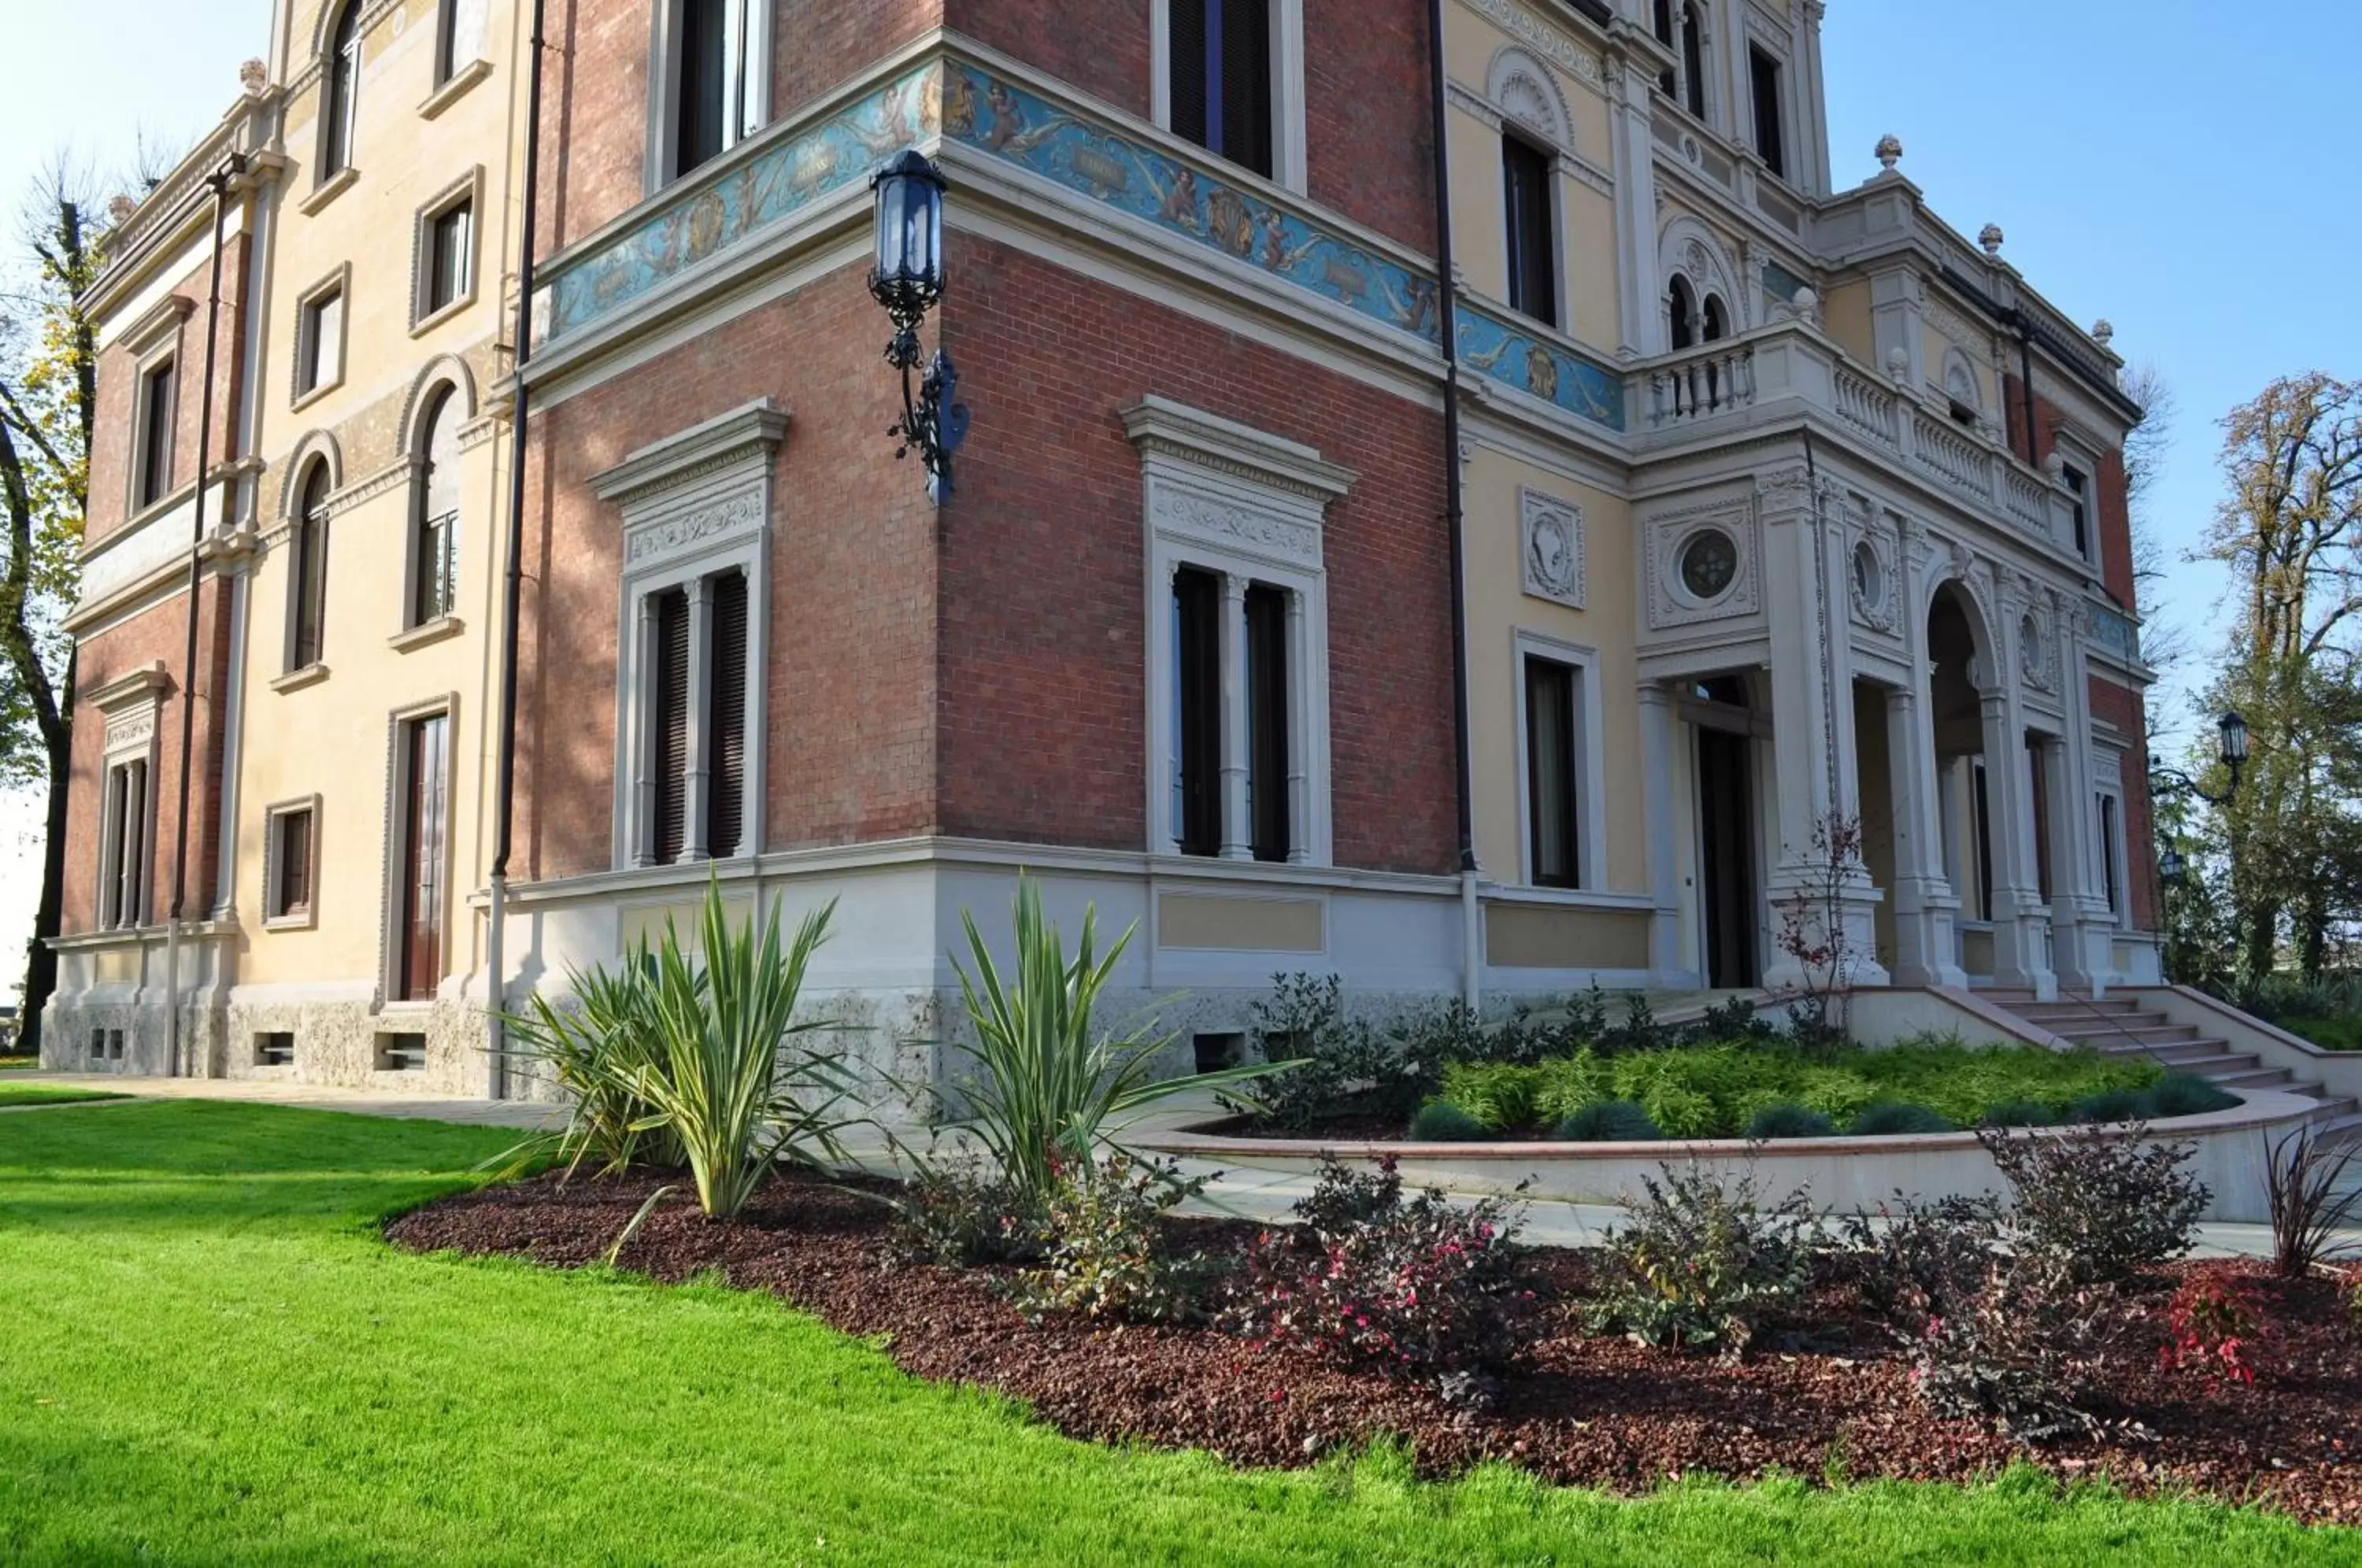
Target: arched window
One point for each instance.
(435, 523)
(1693, 61)
(340, 82)
(1684, 315)
(1718, 324)
(307, 577)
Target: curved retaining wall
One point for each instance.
(1840, 1173)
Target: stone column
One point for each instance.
(2019, 915)
(1238, 826)
(637, 713)
(1926, 946)
(1299, 738)
(1658, 731)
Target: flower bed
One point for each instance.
(1821, 1395)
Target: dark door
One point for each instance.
(1726, 872)
(424, 828)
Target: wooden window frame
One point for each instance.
(277, 913)
(1289, 146)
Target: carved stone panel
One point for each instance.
(1552, 547)
(1705, 563)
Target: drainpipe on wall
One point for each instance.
(220, 182)
(496, 1074)
(1471, 960)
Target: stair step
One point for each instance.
(2160, 1034)
(2260, 1077)
(2111, 1008)
(2184, 1054)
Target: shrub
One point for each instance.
(2022, 1349)
(1609, 1122)
(1894, 1118)
(594, 1053)
(1418, 1286)
(2110, 1106)
(1698, 1263)
(2104, 1208)
(2182, 1094)
(1920, 1259)
(1682, 1113)
(1789, 1120)
(2216, 1325)
(1047, 1082)
(1441, 1121)
(1498, 1095)
(2301, 1180)
(1572, 1084)
(1106, 1256)
(962, 1212)
(2018, 1113)
(1336, 1060)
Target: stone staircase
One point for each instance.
(2123, 1026)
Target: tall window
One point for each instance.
(425, 829)
(1197, 711)
(1242, 732)
(1693, 61)
(1552, 753)
(1717, 321)
(1682, 307)
(123, 846)
(459, 37)
(721, 57)
(447, 262)
(153, 481)
(340, 84)
(1222, 78)
(694, 750)
(2079, 491)
(1270, 811)
(435, 547)
(1771, 119)
(1666, 82)
(320, 341)
(308, 573)
(1532, 229)
(2111, 867)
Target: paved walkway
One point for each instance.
(1260, 1196)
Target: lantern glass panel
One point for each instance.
(2234, 739)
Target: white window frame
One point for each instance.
(1251, 507)
(273, 917)
(750, 45)
(2108, 784)
(1590, 769)
(693, 506)
(467, 190)
(1778, 54)
(129, 709)
(462, 28)
(1290, 158)
(332, 166)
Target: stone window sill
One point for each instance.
(450, 93)
(427, 635)
(296, 680)
(336, 185)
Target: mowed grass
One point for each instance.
(212, 1358)
(48, 1094)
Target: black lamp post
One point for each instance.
(2231, 750)
(908, 281)
(2171, 866)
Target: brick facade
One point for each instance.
(2115, 705)
(119, 390)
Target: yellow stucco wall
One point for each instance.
(1845, 311)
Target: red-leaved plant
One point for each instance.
(2216, 1325)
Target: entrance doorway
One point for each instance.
(1725, 767)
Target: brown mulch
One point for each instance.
(1579, 1409)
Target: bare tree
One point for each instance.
(2165, 642)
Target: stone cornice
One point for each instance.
(753, 431)
(143, 684)
(1161, 426)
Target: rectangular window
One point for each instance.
(698, 732)
(1552, 756)
(1197, 711)
(2111, 868)
(2077, 490)
(154, 481)
(424, 756)
(320, 342)
(720, 69)
(1222, 78)
(274, 1048)
(123, 846)
(1771, 116)
(449, 259)
(1532, 229)
(289, 897)
(459, 39)
(400, 1053)
(1269, 748)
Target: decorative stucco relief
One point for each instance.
(1550, 535)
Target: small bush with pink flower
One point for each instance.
(1418, 1284)
(2218, 1325)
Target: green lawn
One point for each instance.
(48, 1094)
(210, 1358)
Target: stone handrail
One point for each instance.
(1716, 379)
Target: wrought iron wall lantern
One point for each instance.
(908, 282)
(2231, 750)
(2171, 866)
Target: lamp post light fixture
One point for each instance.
(2230, 749)
(908, 282)
(2171, 866)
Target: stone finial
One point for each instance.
(1807, 304)
(2104, 332)
(1898, 363)
(1890, 152)
(120, 209)
(254, 76)
(1991, 238)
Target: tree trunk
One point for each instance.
(49, 914)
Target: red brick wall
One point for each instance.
(823, 42)
(2112, 504)
(2117, 705)
(1094, 47)
(1043, 653)
(1369, 142)
(118, 389)
(851, 619)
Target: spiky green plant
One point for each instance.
(730, 1075)
(1048, 1085)
(594, 1053)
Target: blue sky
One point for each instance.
(2158, 162)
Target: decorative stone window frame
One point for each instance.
(1698, 256)
(1552, 549)
(1668, 535)
(2072, 447)
(444, 374)
(319, 451)
(661, 167)
(130, 708)
(692, 505)
(340, 285)
(459, 61)
(2108, 784)
(1251, 507)
(331, 178)
(467, 190)
(1289, 161)
(271, 813)
(154, 343)
(1780, 50)
(1589, 762)
(397, 834)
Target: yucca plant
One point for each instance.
(594, 1053)
(1047, 1082)
(729, 1074)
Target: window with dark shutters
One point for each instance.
(668, 833)
(1197, 711)
(1550, 774)
(1221, 78)
(726, 721)
(1533, 230)
(1268, 723)
(1187, 54)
